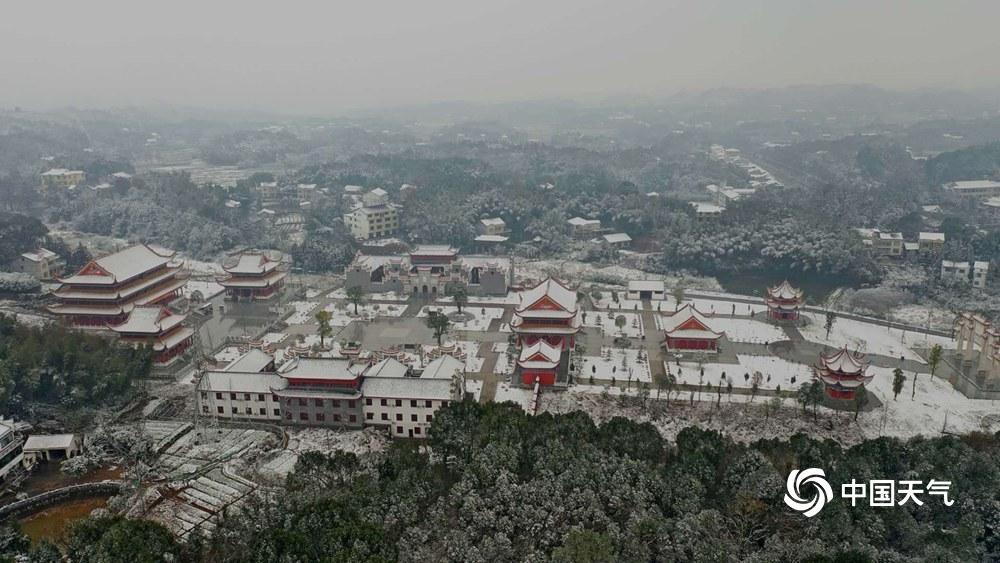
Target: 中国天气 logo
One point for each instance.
(797, 491)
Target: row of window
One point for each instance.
(236, 411)
(335, 403)
(399, 417)
(414, 403)
(319, 417)
(261, 397)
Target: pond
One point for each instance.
(52, 523)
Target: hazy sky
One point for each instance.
(328, 57)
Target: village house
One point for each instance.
(582, 228)
(63, 178)
(42, 264)
(492, 226)
(48, 447)
(654, 290)
(974, 188)
(930, 243)
(375, 218)
(11, 448)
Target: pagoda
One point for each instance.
(107, 289)
(548, 313)
(157, 327)
(842, 372)
(784, 302)
(254, 276)
(687, 329)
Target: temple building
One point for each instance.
(159, 329)
(254, 276)
(321, 392)
(784, 302)
(546, 323)
(428, 270)
(687, 329)
(842, 372)
(105, 291)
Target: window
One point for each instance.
(232, 396)
(369, 416)
(385, 416)
(383, 403)
(263, 411)
(413, 418)
(235, 410)
(399, 416)
(336, 418)
(399, 402)
(368, 402)
(218, 396)
(277, 412)
(444, 403)
(413, 403)
(246, 396)
(430, 418)
(219, 410)
(322, 417)
(416, 431)
(303, 416)
(204, 409)
(260, 398)
(353, 418)
(427, 404)
(399, 430)
(204, 395)
(249, 410)
(319, 402)
(303, 402)
(350, 404)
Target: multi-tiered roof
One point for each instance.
(688, 329)
(549, 308)
(157, 327)
(254, 275)
(106, 290)
(784, 301)
(842, 372)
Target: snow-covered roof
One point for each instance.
(406, 388)
(252, 264)
(617, 238)
(980, 265)
(540, 355)
(434, 250)
(43, 442)
(784, 291)
(581, 222)
(492, 238)
(688, 322)
(61, 172)
(253, 361)
(844, 361)
(930, 237)
(122, 266)
(39, 255)
(241, 382)
(322, 368)
(387, 368)
(558, 294)
(493, 222)
(973, 185)
(443, 367)
(647, 285)
(149, 319)
(703, 208)
(911, 246)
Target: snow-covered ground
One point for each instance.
(505, 362)
(747, 330)
(480, 321)
(506, 392)
(924, 315)
(341, 314)
(609, 364)
(274, 338)
(774, 372)
(387, 296)
(606, 322)
(869, 338)
(304, 312)
(512, 298)
(301, 440)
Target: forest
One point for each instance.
(504, 486)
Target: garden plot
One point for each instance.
(606, 322)
(866, 337)
(511, 298)
(747, 330)
(505, 362)
(616, 363)
(302, 313)
(386, 296)
(341, 314)
(773, 371)
(480, 321)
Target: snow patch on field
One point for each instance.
(609, 364)
(747, 330)
(480, 321)
(866, 337)
(606, 322)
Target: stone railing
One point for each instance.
(49, 498)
